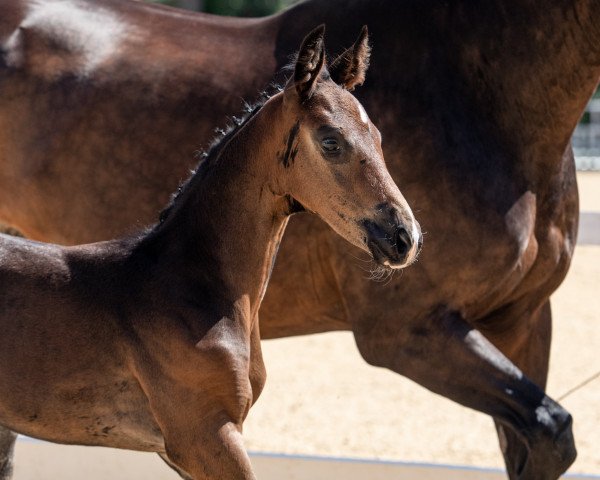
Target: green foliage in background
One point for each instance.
(243, 8)
(586, 118)
(238, 8)
(171, 3)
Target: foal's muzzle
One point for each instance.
(392, 242)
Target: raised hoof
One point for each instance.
(555, 451)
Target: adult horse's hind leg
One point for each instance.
(7, 446)
(529, 349)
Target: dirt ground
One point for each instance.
(322, 399)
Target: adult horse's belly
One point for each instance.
(473, 264)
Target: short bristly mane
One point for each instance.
(224, 135)
(213, 152)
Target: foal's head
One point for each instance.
(331, 154)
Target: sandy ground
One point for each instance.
(321, 398)
(589, 191)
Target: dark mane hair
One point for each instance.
(217, 145)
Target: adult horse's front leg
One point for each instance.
(446, 355)
(7, 446)
(529, 349)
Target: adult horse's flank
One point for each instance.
(103, 102)
(152, 342)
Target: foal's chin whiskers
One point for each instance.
(377, 273)
(381, 274)
(367, 260)
(390, 278)
(368, 266)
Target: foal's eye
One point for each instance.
(330, 145)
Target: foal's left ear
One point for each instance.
(350, 68)
(309, 64)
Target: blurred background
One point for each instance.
(239, 8)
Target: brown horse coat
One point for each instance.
(152, 342)
(476, 102)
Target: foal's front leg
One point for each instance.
(208, 450)
(257, 376)
(200, 411)
(233, 442)
(199, 394)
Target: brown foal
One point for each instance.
(152, 342)
(104, 101)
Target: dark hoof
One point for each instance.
(565, 445)
(554, 451)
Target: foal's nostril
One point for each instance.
(403, 241)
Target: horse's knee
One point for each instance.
(524, 340)
(218, 453)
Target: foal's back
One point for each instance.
(40, 272)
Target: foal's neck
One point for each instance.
(224, 230)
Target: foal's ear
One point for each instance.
(350, 68)
(309, 64)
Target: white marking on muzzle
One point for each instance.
(415, 238)
(414, 250)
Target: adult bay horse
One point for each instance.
(101, 102)
(151, 342)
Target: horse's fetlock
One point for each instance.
(551, 441)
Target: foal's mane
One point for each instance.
(210, 155)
